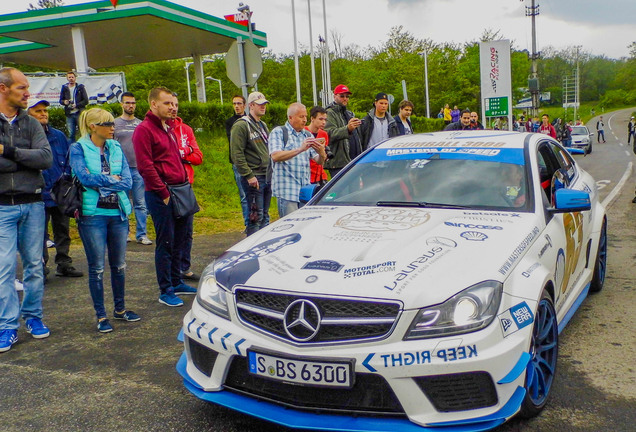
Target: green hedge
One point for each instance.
(211, 116)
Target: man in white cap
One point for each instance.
(38, 109)
(249, 153)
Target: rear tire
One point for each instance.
(600, 266)
(544, 349)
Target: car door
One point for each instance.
(565, 232)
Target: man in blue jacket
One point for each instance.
(38, 109)
(73, 98)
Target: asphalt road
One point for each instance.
(80, 380)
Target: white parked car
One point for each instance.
(582, 138)
(425, 286)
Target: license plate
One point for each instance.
(311, 372)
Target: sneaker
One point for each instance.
(36, 327)
(7, 339)
(189, 274)
(169, 299)
(103, 326)
(127, 315)
(49, 244)
(144, 240)
(68, 271)
(18, 285)
(634, 200)
(184, 289)
(128, 240)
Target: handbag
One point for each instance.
(182, 199)
(67, 194)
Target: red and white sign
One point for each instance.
(238, 18)
(114, 3)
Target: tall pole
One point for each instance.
(296, 52)
(428, 109)
(311, 51)
(187, 67)
(532, 12)
(327, 64)
(576, 83)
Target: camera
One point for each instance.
(329, 153)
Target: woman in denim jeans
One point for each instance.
(100, 165)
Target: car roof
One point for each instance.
(482, 138)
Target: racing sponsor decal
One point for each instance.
(573, 226)
(326, 265)
(478, 213)
(422, 144)
(487, 219)
(319, 209)
(530, 269)
(301, 219)
(516, 318)
(283, 227)
(387, 266)
(438, 247)
(475, 151)
(472, 226)
(311, 279)
(383, 219)
(277, 265)
(546, 246)
(356, 236)
(473, 236)
(516, 253)
(234, 268)
(411, 358)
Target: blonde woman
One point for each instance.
(100, 165)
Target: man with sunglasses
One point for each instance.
(342, 125)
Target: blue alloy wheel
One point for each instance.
(600, 267)
(544, 350)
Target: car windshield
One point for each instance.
(446, 180)
(579, 130)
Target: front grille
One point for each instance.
(459, 392)
(203, 358)
(340, 319)
(370, 394)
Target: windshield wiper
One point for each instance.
(419, 204)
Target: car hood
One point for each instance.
(418, 256)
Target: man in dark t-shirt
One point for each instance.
(238, 103)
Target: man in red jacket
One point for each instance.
(160, 165)
(317, 122)
(190, 155)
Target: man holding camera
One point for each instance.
(291, 147)
(342, 127)
(317, 122)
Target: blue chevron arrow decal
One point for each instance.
(366, 364)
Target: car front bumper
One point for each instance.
(413, 379)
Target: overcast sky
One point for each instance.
(600, 27)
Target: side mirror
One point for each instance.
(569, 200)
(307, 192)
(575, 150)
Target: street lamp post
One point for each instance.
(425, 55)
(220, 86)
(186, 67)
(245, 9)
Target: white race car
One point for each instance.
(424, 287)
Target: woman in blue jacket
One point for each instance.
(100, 165)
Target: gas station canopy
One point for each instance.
(98, 35)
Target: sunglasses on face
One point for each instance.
(106, 124)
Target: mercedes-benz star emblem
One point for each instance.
(302, 320)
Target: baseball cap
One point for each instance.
(36, 101)
(341, 89)
(381, 96)
(257, 98)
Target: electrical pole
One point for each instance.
(533, 82)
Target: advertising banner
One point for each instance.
(101, 89)
(496, 88)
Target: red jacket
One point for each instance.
(317, 171)
(158, 159)
(188, 147)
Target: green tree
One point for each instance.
(46, 4)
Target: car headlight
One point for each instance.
(211, 295)
(472, 309)
(585, 140)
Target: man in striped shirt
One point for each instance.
(290, 147)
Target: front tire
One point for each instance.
(544, 349)
(600, 266)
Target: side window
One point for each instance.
(565, 161)
(548, 165)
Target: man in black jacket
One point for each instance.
(24, 153)
(342, 125)
(74, 99)
(377, 125)
(238, 103)
(462, 124)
